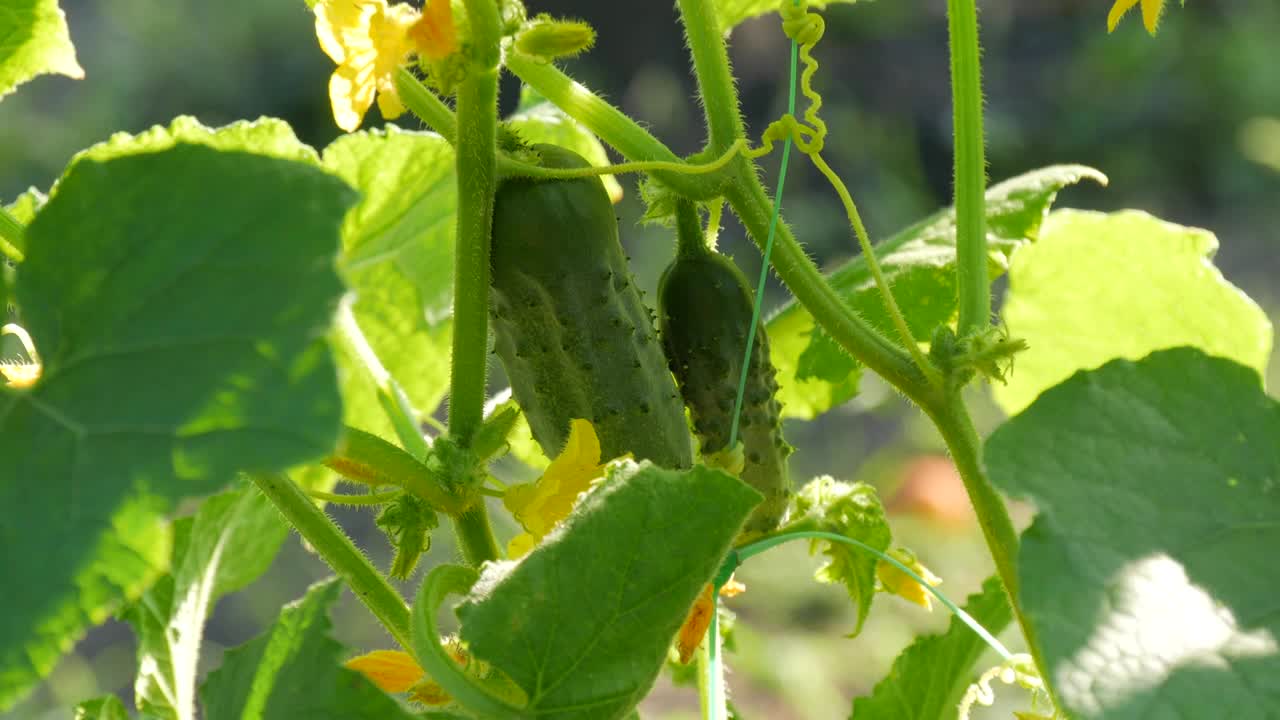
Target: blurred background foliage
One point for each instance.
(1186, 124)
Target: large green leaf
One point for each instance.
(733, 12)
(1097, 287)
(179, 300)
(398, 257)
(264, 136)
(815, 374)
(928, 679)
(292, 672)
(1150, 573)
(584, 622)
(34, 41)
(230, 542)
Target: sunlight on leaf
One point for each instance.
(34, 41)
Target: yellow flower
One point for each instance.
(394, 671)
(540, 505)
(893, 580)
(1150, 13)
(434, 35)
(19, 374)
(369, 41)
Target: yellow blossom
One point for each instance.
(1150, 13)
(368, 40)
(538, 506)
(893, 580)
(394, 671)
(699, 618)
(434, 34)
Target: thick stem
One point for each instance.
(337, 550)
(715, 79)
(952, 420)
(690, 240)
(611, 125)
(475, 536)
(802, 277)
(477, 118)
(970, 170)
(425, 104)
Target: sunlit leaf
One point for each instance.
(814, 372)
(179, 301)
(34, 41)
(1097, 287)
(1149, 573)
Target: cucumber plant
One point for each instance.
(183, 339)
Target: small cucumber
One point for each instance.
(572, 332)
(705, 309)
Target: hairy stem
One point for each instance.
(952, 420)
(612, 125)
(338, 551)
(802, 277)
(477, 180)
(715, 79)
(429, 108)
(970, 170)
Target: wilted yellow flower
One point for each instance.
(893, 580)
(1150, 13)
(368, 40)
(21, 374)
(538, 506)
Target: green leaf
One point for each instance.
(264, 136)
(733, 12)
(103, 708)
(229, 543)
(34, 41)
(1150, 573)
(293, 672)
(1096, 287)
(854, 511)
(928, 679)
(398, 258)
(815, 374)
(584, 622)
(537, 120)
(179, 301)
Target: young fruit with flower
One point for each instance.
(653, 442)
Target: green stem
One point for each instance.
(952, 420)
(477, 181)
(612, 125)
(970, 170)
(750, 202)
(711, 685)
(690, 240)
(12, 236)
(338, 551)
(425, 104)
(475, 536)
(715, 79)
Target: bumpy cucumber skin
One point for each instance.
(571, 329)
(705, 308)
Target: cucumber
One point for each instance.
(705, 309)
(571, 329)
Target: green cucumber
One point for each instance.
(571, 329)
(705, 310)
